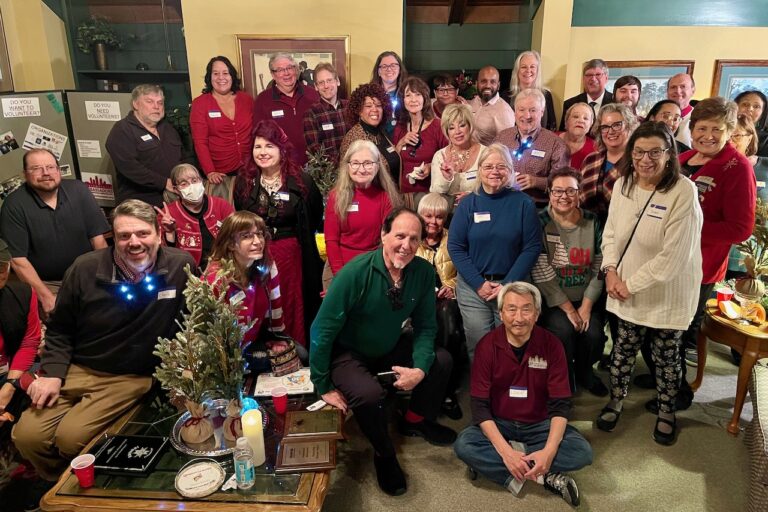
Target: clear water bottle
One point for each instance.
(244, 471)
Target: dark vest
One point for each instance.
(14, 312)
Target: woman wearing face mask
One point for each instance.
(192, 223)
(527, 75)
(754, 105)
(669, 113)
(578, 121)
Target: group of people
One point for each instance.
(457, 232)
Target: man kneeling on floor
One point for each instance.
(520, 402)
(97, 362)
(358, 333)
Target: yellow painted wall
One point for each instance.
(210, 32)
(551, 38)
(58, 50)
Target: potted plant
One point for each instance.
(96, 33)
(755, 251)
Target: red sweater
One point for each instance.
(222, 144)
(432, 140)
(361, 231)
(578, 157)
(24, 357)
(188, 236)
(727, 193)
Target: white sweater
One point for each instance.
(662, 266)
(462, 182)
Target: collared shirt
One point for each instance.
(598, 102)
(491, 118)
(51, 239)
(325, 127)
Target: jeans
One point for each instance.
(477, 452)
(479, 316)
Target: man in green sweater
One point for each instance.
(358, 334)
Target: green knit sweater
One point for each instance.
(357, 315)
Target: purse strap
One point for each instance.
(631, 235)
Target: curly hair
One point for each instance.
(232, 72)
(355, 106)
(251, 173)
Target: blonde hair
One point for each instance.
(514, 82)
(433, 202)
(503, 151)
(630, 121)
(457, 112)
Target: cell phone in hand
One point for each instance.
(387, 378)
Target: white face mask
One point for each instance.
(193, 193)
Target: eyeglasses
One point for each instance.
(367, 165)
(498, 167)
(279, 71)
(653, 154)
(593, 75)
(569, 192)
(615, 127)
(395, 296)
(38, 169)
(739, 136)
(249, 236)
(186, 183)
(669, 116)
(389, 67)
(323, 83)
(445, 90)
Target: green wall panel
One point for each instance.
(719, 13)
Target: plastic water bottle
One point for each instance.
(244, 472)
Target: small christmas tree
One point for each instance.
(204, 359)
(322, 170)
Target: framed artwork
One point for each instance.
(255, 51)
(735, 76)
(6, 81)
(653, 74)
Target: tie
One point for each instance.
(593, 104)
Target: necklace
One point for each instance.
(460, 156)
(271, 185)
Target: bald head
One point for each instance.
(488, 83)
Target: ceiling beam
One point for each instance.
(457, 11)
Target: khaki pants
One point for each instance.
(49, 438)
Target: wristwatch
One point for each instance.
(609, 268)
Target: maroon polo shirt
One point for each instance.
(519, 390)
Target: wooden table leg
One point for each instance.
(748, 359)
(701, 349)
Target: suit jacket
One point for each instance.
(581, 98)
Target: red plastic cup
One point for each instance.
(280, 399)
(82, 465)
(724, 294)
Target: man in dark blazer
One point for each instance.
(594, 78)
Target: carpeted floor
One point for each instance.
(706, 470)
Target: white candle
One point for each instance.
(254, 431)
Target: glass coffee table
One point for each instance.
(271, 492)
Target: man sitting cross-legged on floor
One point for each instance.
(520, 401)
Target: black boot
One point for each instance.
(390, 475)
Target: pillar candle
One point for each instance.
(253, 430)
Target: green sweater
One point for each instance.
(357, 315)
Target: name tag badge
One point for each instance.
(555, 239)
(146, 137)
(538, 153)
(327, 127)
(760, 184)
(518, 392)
(354, 207)
(278, 113)
(537, 363)
(482, 217)
(237, 298)
(283, 196)
(166, 294)
(214, 113)
(391, 149)
(657, 211)
(218, 223)
(470, 175)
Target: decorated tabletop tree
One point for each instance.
(755, 251)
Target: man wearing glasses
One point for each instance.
(286, 101)
(47, 224)
(324, 124)
(358, 342)
(594, 79)
(446, 93)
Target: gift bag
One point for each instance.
(233, 425)
(198, 428)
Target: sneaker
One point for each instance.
(564, 485)
(451, 408)
(432, 431)
(691, 357)
(390, 475)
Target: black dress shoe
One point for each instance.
(665, 438)
(390, 475)
(645, 381)
(432, 431)
(604, 423)
(451, 408)
(681, 403)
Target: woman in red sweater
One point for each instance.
(357, 206)
(221, 121)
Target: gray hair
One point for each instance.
(596, 63)
(144, 89)
(520, 288)
(630, 121)
(514, 83)
(532, 93)
(180, 169)
(282, 55)
(137, 209)
(500, 149)
(433, 202)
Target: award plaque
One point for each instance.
(324, 424)
(130, 455)
(305, 455)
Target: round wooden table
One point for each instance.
(749, 340)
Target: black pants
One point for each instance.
(355, 376)
(450, 336)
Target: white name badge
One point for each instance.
(278, 113)
(482, 217)
(218, 223)
(517, 392)
(214, 113)
(146, 137)
(391, 149)
(657, 211)
(470, 175)
(237, 298)
(555, 239)
(538, 153)
(327, 127)
(167, 294)
(283, 196)
(354, 207)
(760, 184)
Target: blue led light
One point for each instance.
(526, 144)
(148, 279)
(124, 289)
(248, 405)
(129, 296)
(150, 287)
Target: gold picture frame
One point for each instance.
(255, 51)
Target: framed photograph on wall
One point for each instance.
(6, 80)
(735, 76)
(653, 74)
(255, 51)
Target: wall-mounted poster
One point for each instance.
(653, 75)
(735, 76)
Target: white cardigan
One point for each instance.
(662, 266)
(459, 183)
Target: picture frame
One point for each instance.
(732, 77)
(653, 75)
(255, 51)
(6, 78)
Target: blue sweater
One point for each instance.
(494, 234)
